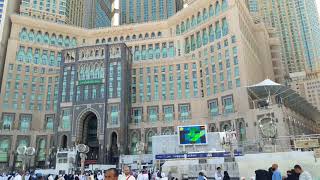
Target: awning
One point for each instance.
(289, 97)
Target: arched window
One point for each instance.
(205, 14)
(109, 39)
(36, 59)
(134, 142)
(153, 35)
(225, 27)
(103, 41)
(134, 36)
(31, 36)
(159, 34)
(193, 21)
(74, 42)
(199, 18)
(53, 40)
(121, 38)
(177, 29)
(39, 37)
(41, 152)
(242, 131)
(149, 141)
(146, 35)
(167, 132)
(87, 72)
(218, 30)
(44, 57)
(23, 36)
(82, 73)
(204, 37)
(67, 42)
(182, 27)
(97, 72)
(224, 5)
(29, 55)
(59, 59)
(60, 40)
(128, 38)
(115, 39)
(52, 58)
(21, 54)
(92, 72)
(187, 24)
(46, 38)
(211, 12)
(140, 36)
(217, 8)
(97, 41)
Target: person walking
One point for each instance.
(226, 175)
(126, 175)
(303, 175)
(201, 176)
(218, 175)
(276, 173)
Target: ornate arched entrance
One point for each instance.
(88, 135)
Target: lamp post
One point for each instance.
(83, 150)
(25, 153)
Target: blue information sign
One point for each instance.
(197, 155)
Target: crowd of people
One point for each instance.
(273, 173)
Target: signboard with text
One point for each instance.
(306, 143)
(90, 81)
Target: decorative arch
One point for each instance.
(134, 139)
(217, 8)
(23, 36)
(149, 140)
(82, 116)
(39, 38)
(53, 40)
(31, 36)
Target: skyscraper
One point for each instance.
(298, 27)
(48, 10)
(97, 13)
(137, 11)
(74, 12)
(6, 9)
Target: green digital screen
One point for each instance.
(189, 135)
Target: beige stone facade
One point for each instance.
(190, 69)
(308, 86)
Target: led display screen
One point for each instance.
(190, 135)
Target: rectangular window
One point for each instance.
(213, 108)
(137, 115)
(228, 104)
(66, 119)
(49, 123)
(25, 122)
(153, 114)
(184, 112)
(114, 114)
(7, 122)
(168, 112)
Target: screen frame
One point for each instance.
(196, 144)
